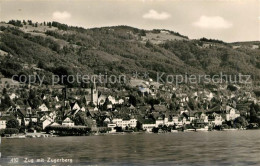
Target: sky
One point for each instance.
(227, 20)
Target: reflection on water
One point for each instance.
(191, 148)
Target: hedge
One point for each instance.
(2, 131)
(11, 131)
(68, 130)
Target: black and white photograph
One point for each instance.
(129, 82)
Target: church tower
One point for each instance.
(94, 93)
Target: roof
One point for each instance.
(67, 120)
(217, 108)
(54, 124)
(160, 108)
(156, 115)
(7, 118)
(73, 104)
(189, 114)
(131, 107)
(21, 112)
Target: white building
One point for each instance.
(112, 127)
(118, 122)
(125, 123)
(148, 127)
(231, 113)
(218, 119)
(45, 123)
(159, 122)
(75, 106)
(2, 124)
(13, 96)
(255, 46)
(68, 122)
(43, 108)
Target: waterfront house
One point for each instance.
(46, 122)
(117, 121)
(189, 115)
(202, 117)
(30, 118)
(231, 113)
(3, 122)
(148, 127)
(183, 120)
(165, 121)
(159, 122)
(215, 119)
(175, 120)
(112, 126)
(68, 122)
(127, 122)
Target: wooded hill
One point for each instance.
(51, 47)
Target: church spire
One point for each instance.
(94, 84)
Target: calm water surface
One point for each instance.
(188, 148)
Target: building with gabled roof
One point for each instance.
(68, 122)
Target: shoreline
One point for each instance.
(45, 135)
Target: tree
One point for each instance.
(4, 91)
(11, 131)
(192, 104)
(132, 100)
(253, 115)
(6, 102)
(172, 106)
(231, 87)
(30, 22)
(41, 64)
(153, 102)
(142, 33)
(240, 122)
(33, 100)
(12, 123)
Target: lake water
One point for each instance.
(188, 148)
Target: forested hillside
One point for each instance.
(56, 48)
